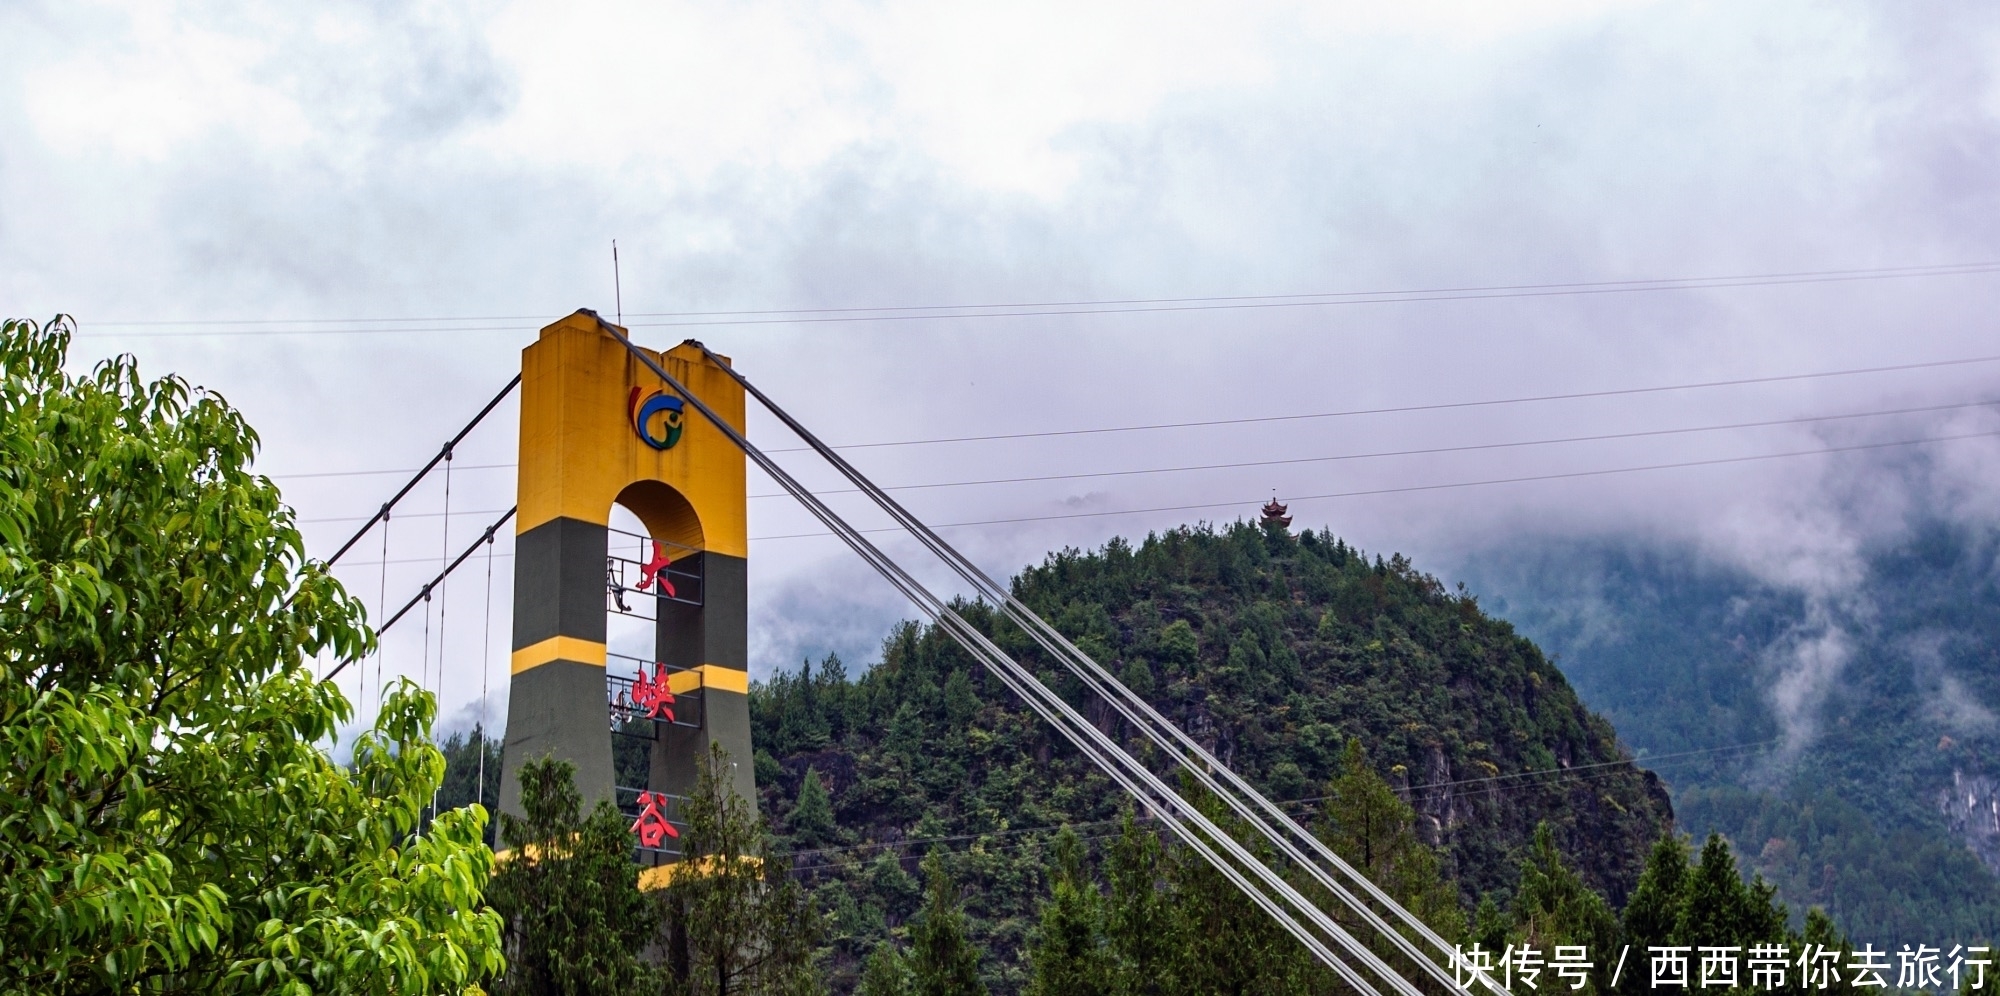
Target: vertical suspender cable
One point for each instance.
(485, 669)
(424, 594)
(444, 602)
(427, 667)
(381, 611)
(444, 559)
(382, 516)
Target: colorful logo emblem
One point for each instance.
(661, 411)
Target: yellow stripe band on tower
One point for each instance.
(559, 648)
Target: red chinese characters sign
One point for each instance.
(653, 693)
(652, 826)
(656, 570)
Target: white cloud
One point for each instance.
(248, 161)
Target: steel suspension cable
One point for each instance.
(1249, 804)
(1179, 814)
(442, 454)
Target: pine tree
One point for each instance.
(737, 922)
(1365, 822)
(1651, 913)
(1069, 956)
(1820, 932)
(812, 816)
(1713, 903)
(959, 700)
(899, 890)
(887, 974)
(1554, 906)
(1655, 902)
(835, 695)
(943, 961)
(1489, 926)
(1229, 945)
(1138, 922)
(576, 920)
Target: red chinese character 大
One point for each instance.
(656, 570)
(652, 826)
(653, 693)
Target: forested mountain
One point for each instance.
(1274, 650)
(1847, 738)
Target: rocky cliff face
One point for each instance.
(1972, 807)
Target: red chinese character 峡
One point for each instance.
(653, 694)
(652, 826)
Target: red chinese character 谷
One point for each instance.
(656, 570)
(652, 826)
(653, 694)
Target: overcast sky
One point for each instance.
(465, 167)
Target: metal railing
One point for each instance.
(631, 562)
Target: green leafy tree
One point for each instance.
(168, 820)
(900, 890)
(570, 892)
(942, 960)
(1069, 956)
(736, 920)
(959, 701)
(812, 816)
(887, 974)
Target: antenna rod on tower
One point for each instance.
(617, 292)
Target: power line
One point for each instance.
(1378, 454)
(1249, 502)
(1248, 420)
(1426, 451)
(374, 473)
(1940, 269)
(1439, 406)
(1348, 299)
(1092, 306)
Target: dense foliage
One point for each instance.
(1274, 650)
(168, 821)
(736, 921)
(569, 892)
(730, 919)
(1873, 801)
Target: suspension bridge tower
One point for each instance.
(598, 429)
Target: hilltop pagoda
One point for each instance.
(1274, 514)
